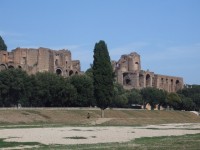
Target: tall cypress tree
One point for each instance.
(2, 44)
(103, 76)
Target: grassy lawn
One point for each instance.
(185, 142)
(4, 144)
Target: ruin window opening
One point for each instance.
(10, 67)
(19, 67)
(71, 72)
(148, 80)
(171, 81)
(128, 82)
(58, 71)
(76, 72)
(177, 82)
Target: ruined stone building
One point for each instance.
(40, 60)
(127, 69)
(129, 74)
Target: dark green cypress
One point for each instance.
(2, 44)
(103, 76)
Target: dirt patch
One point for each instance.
(102, 134)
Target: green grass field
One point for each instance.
(185, 142)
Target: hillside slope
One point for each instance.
(125, 117)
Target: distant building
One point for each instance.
(40, 60)
(129, 74)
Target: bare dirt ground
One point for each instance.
(91, 135)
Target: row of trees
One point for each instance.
(51, 90)
(44, 90)
(186, 99)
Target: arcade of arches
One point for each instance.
(129, 74)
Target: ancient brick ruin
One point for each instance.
(127, 69)
(40, 60)
(129, 74)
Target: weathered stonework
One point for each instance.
(40, 60)
(129, 74)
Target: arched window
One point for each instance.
(71, 72)
(148, 80)
(58, 71)
(10, 67)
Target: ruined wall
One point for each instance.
(40, 60)
(129, 74)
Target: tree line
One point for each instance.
(50, 90)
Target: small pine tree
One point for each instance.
(2, 44)
(103, 76)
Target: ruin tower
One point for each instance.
(134, 62)
(128, 68)
(130, 75)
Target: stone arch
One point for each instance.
(58, 71)
(136, 65)
(71, 72)
(76, 72)
(126, 79)
(177, 82)
(20, 67)
(177, 85)
(148, 80)
(2, 67)
(10, 67)
(172, 85)
(172, 81)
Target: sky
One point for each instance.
(165, 33)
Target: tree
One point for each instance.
(2, 44)
(103, 76)
(120, 96)
(51, 90)
(14, 87)
(134, 97)
(187, 103)
(153, 96)
(84, 87)
(193, 92)
(89, 72)
(174, 100)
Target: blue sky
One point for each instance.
(166, 33)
